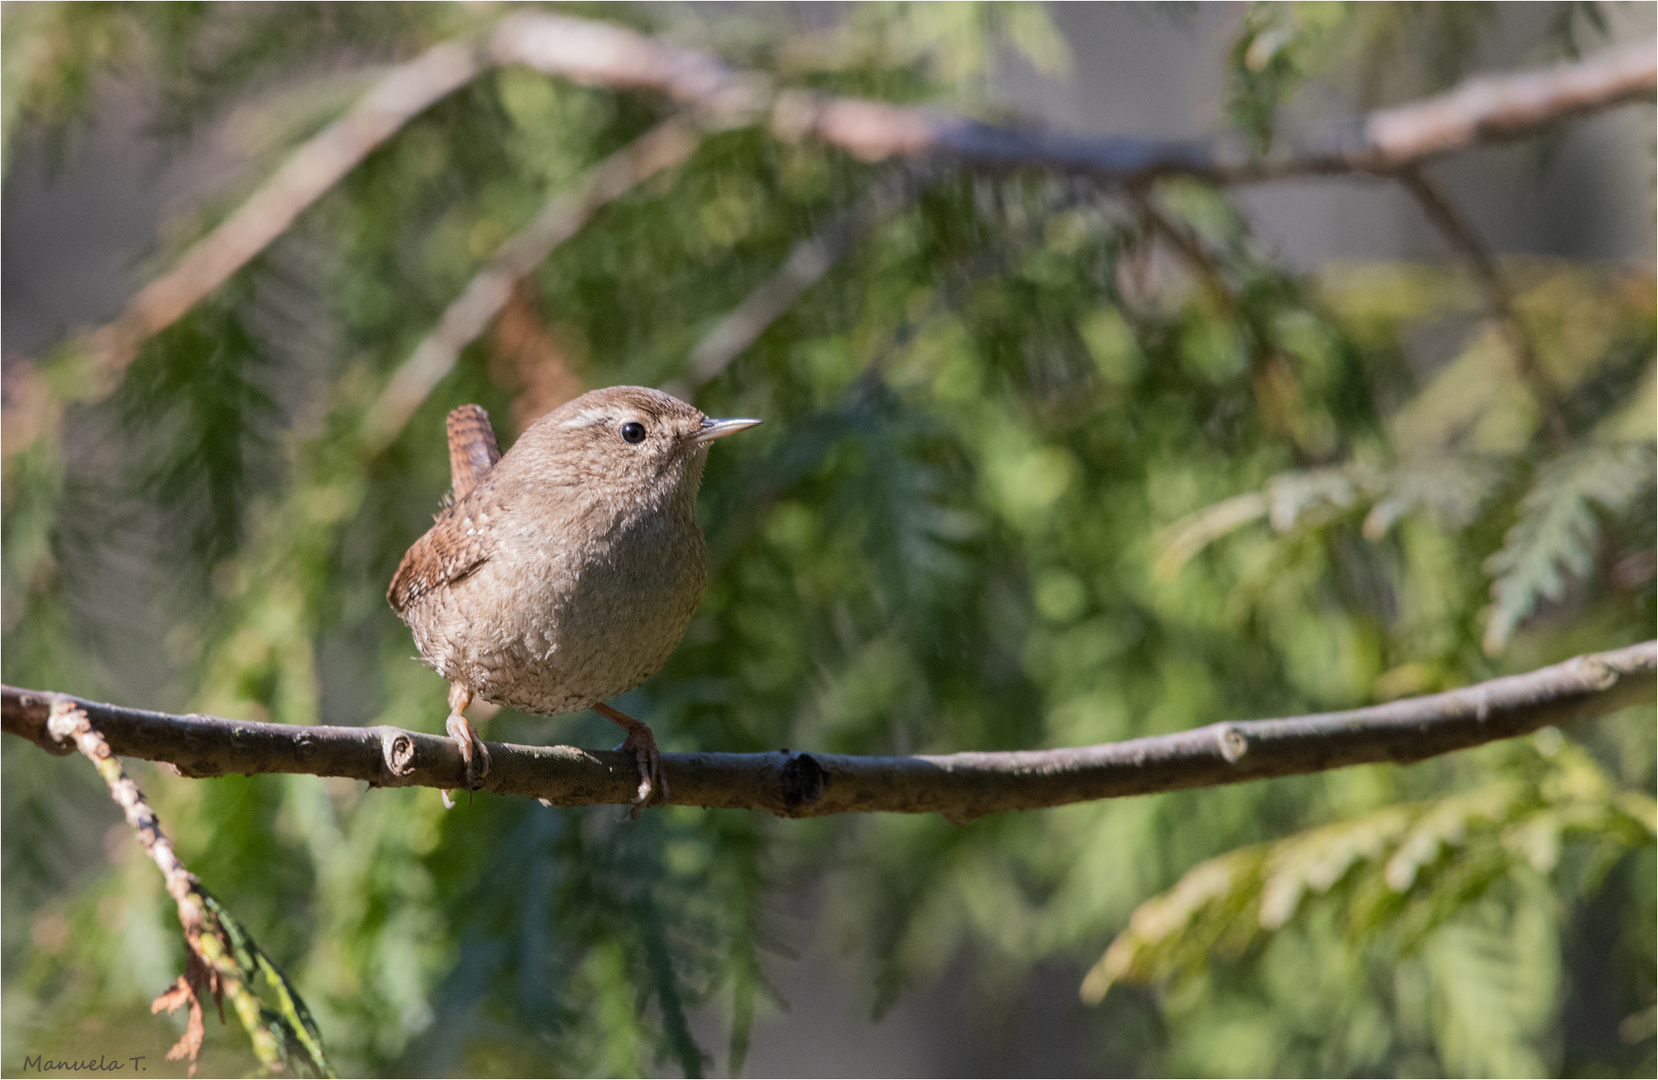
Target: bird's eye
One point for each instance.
(633, 432)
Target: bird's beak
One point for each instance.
(719, 429)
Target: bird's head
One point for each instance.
(625, 442)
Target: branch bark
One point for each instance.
(960, 786)
(1492, 108)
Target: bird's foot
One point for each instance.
(467, 740)
(653, 778)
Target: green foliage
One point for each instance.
(288, 1023)
(1557, 529)
(1461, 443)
(1033, 474)
(1373, 52)
(958, 43)
(199, 398)
(1269, 62)
(1451, 896)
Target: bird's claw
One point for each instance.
(653, 778)
(470, 746)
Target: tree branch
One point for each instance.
(961, 786)
(601, 54)
(1480, 109)
(1201, 262)
(1492, 108)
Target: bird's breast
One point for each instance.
(593, 612)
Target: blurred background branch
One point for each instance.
(808, 261)
(309, 173)
(1463, 240)
(1485, 109)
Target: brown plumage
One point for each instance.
(566, 572)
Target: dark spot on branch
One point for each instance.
(802, 780)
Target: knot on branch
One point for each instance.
(802, 780)
(397, 749)
(1234, 744)
(1597, 673)
(67, 723)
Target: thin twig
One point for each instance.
(961, 786)
(1278, 396)
(1197, 259)
(1460, 234)
(70, 728)
(662, 147)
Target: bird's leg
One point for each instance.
(465, 738)
(653, 779)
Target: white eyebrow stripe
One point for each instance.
(587, 418)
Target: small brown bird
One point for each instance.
(565, 572)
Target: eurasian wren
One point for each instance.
(565, 572)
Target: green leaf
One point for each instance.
(298, 1041)
(1558, 529)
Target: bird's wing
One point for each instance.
(451, 549)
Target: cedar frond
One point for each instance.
(1558, 529)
